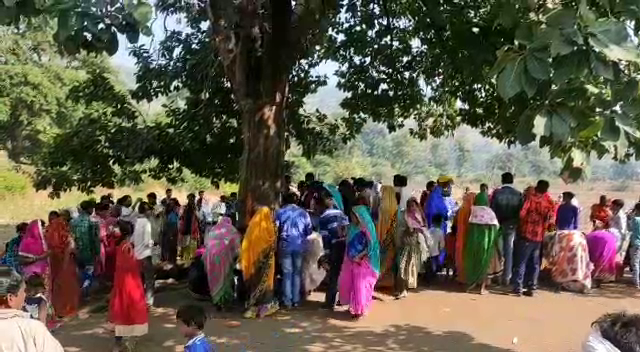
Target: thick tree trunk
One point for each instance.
(262, 163)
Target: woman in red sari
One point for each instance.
(65, 291)
(109, 233)
(127, 306)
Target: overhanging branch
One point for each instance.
(223, 16)
(311, 20)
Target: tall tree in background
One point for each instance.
(462, 155)
(560, 73)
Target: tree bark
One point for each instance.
(262, 163)
(258, 43)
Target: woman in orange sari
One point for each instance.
(65, 292)
(462, 223)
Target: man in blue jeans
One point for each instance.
(536, 217)
(506, 203)
(294, 226)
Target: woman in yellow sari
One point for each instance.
(462, 223)
(258, 262)
(386, 229)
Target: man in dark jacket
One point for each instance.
(506, 202)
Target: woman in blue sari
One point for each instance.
(361, 265)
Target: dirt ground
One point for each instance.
(434, 319)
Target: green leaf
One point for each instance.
(587, 16)
(64, 27)
(560, 45)
(611, 37)
(538, 67)
(528, 83)
(503, 58)
(561, 18)
(610, 131)
(627, 124)
(525, 33)
(606, 4)
(112, 44)
(142, 12)
(509, 79)
(508, 15)
(9, 3)
(558, 126)
(592, 130)
(146, 31)
(570, 66)
(133, 36)
(601, 67)
(574, 165)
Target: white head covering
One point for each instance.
(596, 343)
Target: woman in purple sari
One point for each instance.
(602, 253)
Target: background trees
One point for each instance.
(560, 74)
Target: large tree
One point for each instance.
(561, 73)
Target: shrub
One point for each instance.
(12, 183)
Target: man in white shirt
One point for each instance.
(143, 248)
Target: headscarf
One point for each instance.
(32, 246)
(386, 211)
(415, 219)
(369, 228)
(596, 343)
(335, 193)
(481, 213)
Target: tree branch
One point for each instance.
(311, 19)
(223, 15)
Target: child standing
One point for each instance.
(127, 306)
(435, 241)
(36, 304)
(634, 245)
(191, 319)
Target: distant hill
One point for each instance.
(327, 100)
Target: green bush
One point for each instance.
(12, 183)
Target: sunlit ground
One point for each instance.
(430, 320)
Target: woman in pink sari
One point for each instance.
(361, 265)
(602, 253)
(34, 254)
(222, 244)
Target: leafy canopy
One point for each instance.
(562, 74)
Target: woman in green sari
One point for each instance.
(480, 243)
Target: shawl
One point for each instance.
(367, 226)
(415, 219)
(481, 214)
(337, 196)
(33, 245)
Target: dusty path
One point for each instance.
(430, 320)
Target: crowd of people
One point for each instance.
(354, 238)
(50, 268)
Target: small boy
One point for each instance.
(191, 319)
(36, 304)
(435, 242)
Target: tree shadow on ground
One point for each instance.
(307, 329)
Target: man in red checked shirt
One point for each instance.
(536, 217)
